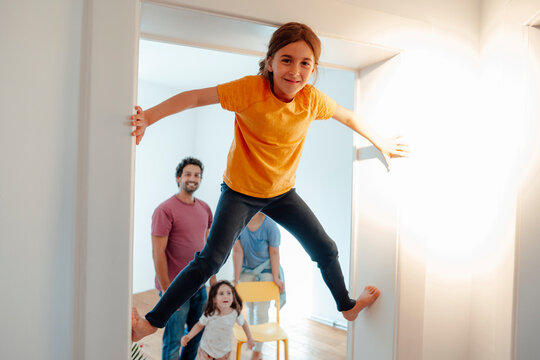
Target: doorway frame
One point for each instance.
(528, 25)
(104, 225)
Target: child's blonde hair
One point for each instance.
(211, 306)
(285, 35)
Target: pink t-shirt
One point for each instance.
(186, 226)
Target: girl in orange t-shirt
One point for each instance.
(273, 112)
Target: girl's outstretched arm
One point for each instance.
(180, 102)
(194, 331)
(250, 341)
(389, 147)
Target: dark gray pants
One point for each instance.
(234, 210)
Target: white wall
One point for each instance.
(457, 212)
(39, 97)
(43, 57)
(506, 103)
(424, 207)
(157, 156)
(458, 17)
(510, 65)
(65, 210)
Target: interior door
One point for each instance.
(375, 227)
(528, 250)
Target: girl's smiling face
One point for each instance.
(224, 298)
(291, 68)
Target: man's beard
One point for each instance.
(189, 190)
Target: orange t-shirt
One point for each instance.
(269, 134)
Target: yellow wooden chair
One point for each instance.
(253, 291)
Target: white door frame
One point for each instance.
(103, 250)
(524, 265)
(104, 229)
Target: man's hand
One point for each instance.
(281, 285)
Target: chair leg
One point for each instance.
(277, 349)
(238, 350)
(286, 346)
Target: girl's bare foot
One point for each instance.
(366, 298)
(140, 327)
(256, 355)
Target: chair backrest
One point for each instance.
(252, 291)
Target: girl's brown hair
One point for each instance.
(211, 307)
(286, 34)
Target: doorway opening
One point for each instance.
(206, 133)
(183, 49)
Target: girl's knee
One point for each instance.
(327, 255)
(211, 263)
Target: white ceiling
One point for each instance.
(194, 28)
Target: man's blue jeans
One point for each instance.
(187, 315)
(233, 212)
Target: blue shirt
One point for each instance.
(256, 243)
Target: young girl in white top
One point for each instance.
(222, 311)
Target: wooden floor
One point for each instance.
(308, 339)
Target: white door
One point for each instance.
(528, 248)
(375, 226)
